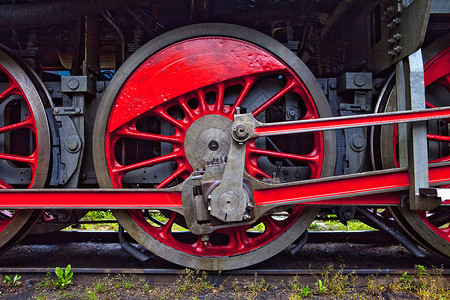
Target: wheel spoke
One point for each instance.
(11, 90)
(4, 185)
(438, 138)
(146, 163)
(136, 134)
(441, 159)
(186, 109)
(248, 84)
(202, 105)
(180, 171)
(290, 85)
(30, 160)
(164, 115)
(218, 107)
(27, 123)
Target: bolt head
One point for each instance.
(74, 84)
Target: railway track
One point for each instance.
(360, 253)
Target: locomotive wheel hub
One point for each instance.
(207, 139)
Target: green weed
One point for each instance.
(193, 281)
(320, 288)
(64, 276)
(12, 280)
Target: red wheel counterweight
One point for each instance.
(170, 112)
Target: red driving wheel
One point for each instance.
(169, 110)
(24, 142)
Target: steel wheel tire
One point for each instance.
(32, 91)
(419, 224)
(246, 38)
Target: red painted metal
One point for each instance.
(351, 121)
(188, 70)
(343, 190)
(437, 71)
(349, 187)
(185, 67)
(29, 123)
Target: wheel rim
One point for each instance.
(429, 228)
(23, 117)
(190, 111)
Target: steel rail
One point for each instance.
(251, 272)
(111, 237)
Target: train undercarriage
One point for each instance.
(239, 121)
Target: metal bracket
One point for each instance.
(413, 148)
(402, 31)
(70, 110)
(78, 84)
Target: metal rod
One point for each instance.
(130, 249)
(400, 237)
(301, 126)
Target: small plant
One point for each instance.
(124, 282)
(102, 286)
(407, 281)
(304, 292)
(421, 270)
(64, 277)
(372, 286)
(193, 281)
(257, 286)
(320, 288)
(335, 282)
(146, 287)
(12, 280)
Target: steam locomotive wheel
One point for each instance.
(24, 141)
(175, 99)
(429, 228)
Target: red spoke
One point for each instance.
(164, 115)
(439, 138)
(30, 160)
(182, 169)
(202, 105)
(442, 159)
(248, 84)
(4, 185)
(290, 85)
(12, 89)
(219, 98)
(238, 238)
(429, 105)
(187, 110)
(27, 123)
(134, 133)
(147, 163)
(167, 228)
